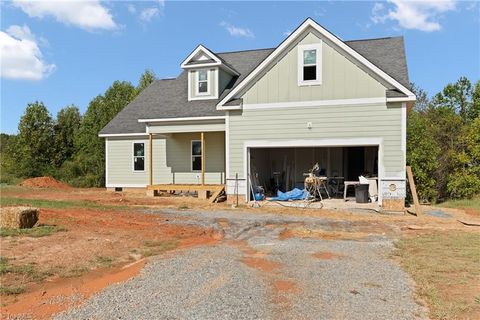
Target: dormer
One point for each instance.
(208, 74)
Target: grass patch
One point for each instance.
(464, 203)
(3, 265)
(29, 271)
(35, 232)
(7, 291)
(57, 204)
(75, 272)
(183, 206)
(156, 247)
(103, 261)
(445, 268)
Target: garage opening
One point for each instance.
(284, 169)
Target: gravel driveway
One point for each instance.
(257, 272)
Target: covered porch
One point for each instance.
(194, 152)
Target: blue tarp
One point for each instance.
(295, 194)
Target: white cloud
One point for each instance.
(287, 33)
(131, 8)
(419, 15)
(20, 55)
(236, 31)
(148, 14)
(88, 15)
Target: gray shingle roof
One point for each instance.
(386, 53)
(168, 98)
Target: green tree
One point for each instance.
(464, 181)
(66, 127)
(146, 79)
(423, 154)
(33, 146)
(88, 167)
(422, 102)
(7, 160)
(458, 97)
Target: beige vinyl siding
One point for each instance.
(212, 83)
(171, 160)
(328, 122)
(341, 79)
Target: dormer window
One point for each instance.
(202, 82)
(310, 64)
(207, 74)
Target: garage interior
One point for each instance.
(286, 168)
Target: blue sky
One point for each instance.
(67, 53)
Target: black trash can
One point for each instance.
(361, 193)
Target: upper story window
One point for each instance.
(310, 64)
(202, 82)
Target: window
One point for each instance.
(202, 83)
(309, 64)
(196, 155)
(138, 156)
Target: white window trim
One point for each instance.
(197, 82)
(133, 156)
(300, 50)
(191, 155)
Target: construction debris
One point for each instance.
(18, 217)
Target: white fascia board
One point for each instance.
(202, 65)
(402, 99)
(229, 108)
(194, 52)
(182, 119)
(327, 34)
(107, 135)
(316, 103)
(212, 64)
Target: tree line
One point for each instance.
(67, 147)
(443, 140)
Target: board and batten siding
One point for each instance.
(171, 160)
(341, 79)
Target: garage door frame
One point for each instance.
(319, 143)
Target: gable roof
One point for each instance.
(169, 98)
(306, 25)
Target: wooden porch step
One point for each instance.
(214, 189)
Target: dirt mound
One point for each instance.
(44, 182)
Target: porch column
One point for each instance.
(150, 162)
(202, 140)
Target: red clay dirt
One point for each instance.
(285, 286)
(325, 255)
(64, 294)
(88, 256)
(44, 182)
